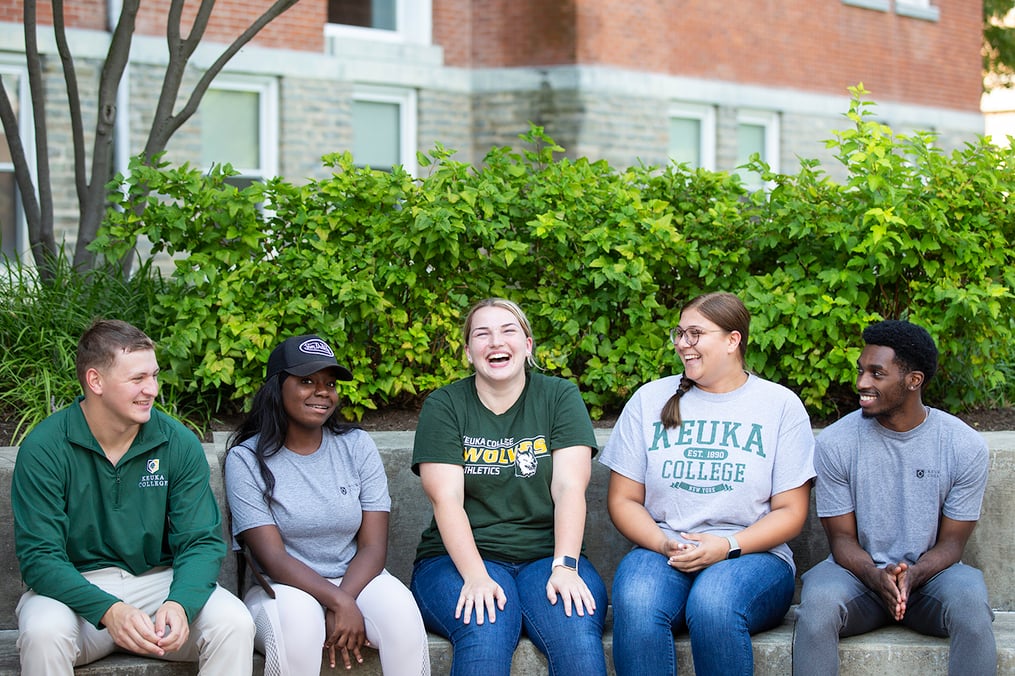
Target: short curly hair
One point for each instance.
(914, 348)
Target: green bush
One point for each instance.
(384, 265)
(41, 321)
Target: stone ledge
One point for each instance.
(888, 652)
(892, 651)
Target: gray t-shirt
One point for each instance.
(718, 471)
(900, 483)
(319, 498)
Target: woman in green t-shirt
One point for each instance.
(505, 456)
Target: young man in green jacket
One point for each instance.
(117, 532)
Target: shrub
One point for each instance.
(384, 265)
(41, 321)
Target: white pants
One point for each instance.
(52, 639)
(290, 628)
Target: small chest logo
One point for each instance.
(153, 479)
(928, 474)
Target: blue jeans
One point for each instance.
(720, 606)
(835, 603)
(572, 645)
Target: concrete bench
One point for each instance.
(889, 651)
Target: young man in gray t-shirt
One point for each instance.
(898, 490)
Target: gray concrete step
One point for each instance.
(892, 651)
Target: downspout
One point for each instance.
(121, 126)
(121, 140)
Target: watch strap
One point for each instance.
(734, 551)
(566, 562)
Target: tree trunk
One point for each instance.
(90, 182)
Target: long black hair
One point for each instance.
(268, 422)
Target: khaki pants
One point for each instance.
(52, 639)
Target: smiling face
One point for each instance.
(497, 344)
(714, 361)
(885, 388)
(126, 389)
(310, 400)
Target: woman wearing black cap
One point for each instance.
(309, 497)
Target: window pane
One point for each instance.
(230, 128)
(375, 133)
(8, 214)
(12, 85)
(750, 140)
(685, 141)
(366, 13)
(8, 186)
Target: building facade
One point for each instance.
(697, 81)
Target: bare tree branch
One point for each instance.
(41, 237)
(163, 129)
(92, 199)
(73, 99)
(22, 174)
(90, 182)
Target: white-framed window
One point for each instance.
(239, 126)
(393, 20)
(757, 132)
(918, 9)
(384, 127)
(692, 135)
(13, 228)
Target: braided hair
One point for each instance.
(730, 314)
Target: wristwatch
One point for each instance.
(566, 562)
(734, 551)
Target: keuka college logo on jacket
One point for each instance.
(153, 479)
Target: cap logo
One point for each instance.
(316, 346)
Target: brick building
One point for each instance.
(694, 80)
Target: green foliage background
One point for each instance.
(384, 266)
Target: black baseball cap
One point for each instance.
(303, 355)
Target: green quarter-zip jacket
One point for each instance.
(75, 512)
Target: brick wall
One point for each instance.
(89, 14)
(301, 27)
(506, 33)
(800, 44)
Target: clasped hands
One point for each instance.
(700, 552)
(133, 630)
(892, 583)
(344, 630)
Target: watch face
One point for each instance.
(571, 562)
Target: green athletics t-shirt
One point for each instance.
(507, 460)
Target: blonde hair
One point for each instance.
(511, 307)
(730, 314)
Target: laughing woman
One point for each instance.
(505, 457)
(309, 497)
(711, 477)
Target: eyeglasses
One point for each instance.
(691, 335)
